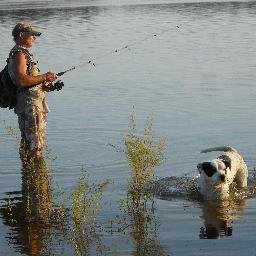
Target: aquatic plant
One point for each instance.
(86, 197)
(144, 233)
(73, 214)
(36, 181)
(86, 203)
(144, 153)
(78, 211)
(10, 129)
(9, 210)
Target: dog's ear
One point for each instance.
(226, 160)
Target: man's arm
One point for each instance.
(19, 68)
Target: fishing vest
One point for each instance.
(29, 96)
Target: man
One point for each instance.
(31, 106)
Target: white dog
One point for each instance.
(217, 175)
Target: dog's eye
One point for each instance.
(208, 169)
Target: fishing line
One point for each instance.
(126, 47)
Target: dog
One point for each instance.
(216, 176)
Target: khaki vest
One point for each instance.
(28, 96)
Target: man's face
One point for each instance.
(28, 39)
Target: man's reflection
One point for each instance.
(36, 188)
(29, 213)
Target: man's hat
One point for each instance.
(24, 27)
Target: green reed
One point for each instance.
(74, 213)
(144, 153)
(86, 197)
(77, 212)
(10, 129)
(86, 203)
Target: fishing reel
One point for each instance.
(57, 86)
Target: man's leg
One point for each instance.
(32, 125)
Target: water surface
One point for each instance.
(197, 80)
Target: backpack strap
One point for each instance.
(29, 61)
(28, 55)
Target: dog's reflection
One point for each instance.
(218, 217)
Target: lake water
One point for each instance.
(196, 78)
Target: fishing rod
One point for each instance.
(126, 47)
(64, 72)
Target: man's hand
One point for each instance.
(50, 77)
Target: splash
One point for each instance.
(185, 187)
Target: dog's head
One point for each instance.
(215, 171)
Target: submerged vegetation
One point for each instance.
(144, 153)
(85, 200)
(43, 211)
(86, 197)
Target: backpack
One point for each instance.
(8, 90)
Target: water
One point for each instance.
(197, 81)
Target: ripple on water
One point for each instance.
(219, 217)
(185, 187)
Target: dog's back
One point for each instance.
(221, 148)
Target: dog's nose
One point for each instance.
(199, 166)
(222, 177)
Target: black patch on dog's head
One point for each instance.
(226, 160)
(208, 168)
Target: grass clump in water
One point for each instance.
(86, 203)
(86, 198)
(144, 153)
(73, 215)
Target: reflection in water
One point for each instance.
(84, 230)
(86, 240)
(39, 227)
(139, 223)
(144, 233)
(218, 217)
(36, 188)
(29, 215)
(144, 152)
